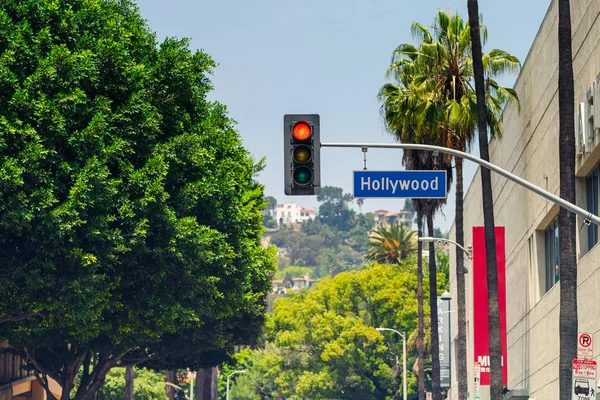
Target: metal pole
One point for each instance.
(403, 336)
(192, 386)
(405, 391)
(241, 371)
(227, 393)
(434, 239)
(589, 217)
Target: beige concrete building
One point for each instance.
(529, 148)
(16, 382)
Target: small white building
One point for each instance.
(292, 213)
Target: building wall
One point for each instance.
(529, 148)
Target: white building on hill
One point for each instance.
(292, 213)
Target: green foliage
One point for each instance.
(442, 262)
(269, 222)
(333, 243)
(391, 244)
(334, 210)
(294, 272)
(323, 343)
(148, 385)
(129, 211)
(437, 232)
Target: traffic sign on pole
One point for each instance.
(585, 345)
(584, 369)
(477, 380)
(584, 380)
(404, 184)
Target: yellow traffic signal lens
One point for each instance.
(301, 131)
(302, 154)
(302, 175)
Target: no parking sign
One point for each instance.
(585, 345)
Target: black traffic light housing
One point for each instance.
(302, 154)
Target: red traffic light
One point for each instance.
(301, 131)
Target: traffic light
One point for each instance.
(302, 149)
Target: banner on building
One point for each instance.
(480, 301)
(444, 337)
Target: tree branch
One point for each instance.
(21, 317)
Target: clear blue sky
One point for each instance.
(327, 57)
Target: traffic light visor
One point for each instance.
(301, 131)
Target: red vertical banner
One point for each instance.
(480, 301)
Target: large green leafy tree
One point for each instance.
(129, 213)
(334, 210)
(325, 342)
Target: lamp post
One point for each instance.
(241, 371)
(403, 335)
(468, 251)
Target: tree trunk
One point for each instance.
(495, 347)
(461, 344)
(435, 334)
(206, 384)
(420, 312)
(129, 382)
(170, 389)
(568, 321)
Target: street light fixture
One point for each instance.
(403, 335)
(241, 371)
(468, 251)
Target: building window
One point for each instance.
(591, 188)
(590, 121)
(552, 254)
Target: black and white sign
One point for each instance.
(444, 336)
(584, 389)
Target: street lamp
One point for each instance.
(468, 251)
(241, 371)
(403, 335)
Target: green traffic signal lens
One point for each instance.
(302, 154)
(302, 175)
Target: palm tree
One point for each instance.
(566, 220)
(451, 69)
(401, 106)
(495, 347)
(391, 245)
(441, 70)
(360, 202)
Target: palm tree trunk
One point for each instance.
(566, 220)
(129, 382)
(461, 345)
(435, 337)
(495, 347)
(420, 311)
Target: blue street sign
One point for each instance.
(408, 184)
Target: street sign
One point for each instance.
(585, 345)
(583, 389)
(403, 184)
(444, 336)
(584, 369)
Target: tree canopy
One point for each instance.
(129, 211)
(322, 343)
